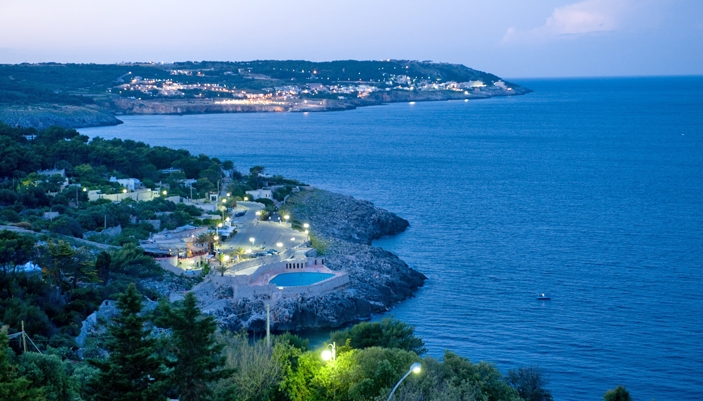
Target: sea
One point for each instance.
(587, 190)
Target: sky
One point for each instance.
(510, 38)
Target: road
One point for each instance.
(266, 234)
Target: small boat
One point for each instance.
(542, 297)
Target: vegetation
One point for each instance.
(619, 393)
(84, 84)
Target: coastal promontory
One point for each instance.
(82, 95)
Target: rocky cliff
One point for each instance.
(41, 117)
(344, 228)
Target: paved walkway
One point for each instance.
(266, 234)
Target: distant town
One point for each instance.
(80, 95)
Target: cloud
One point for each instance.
(582, 18)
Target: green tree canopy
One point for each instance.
(388, 333)
(196, 355)
(13, 386)
(133, 371)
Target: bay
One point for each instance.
(589, 190)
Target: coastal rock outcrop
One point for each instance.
(41, 117)
(343, 228)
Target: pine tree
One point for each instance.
(133, 371)
(102, 265)
(197, 359)
(13, 387)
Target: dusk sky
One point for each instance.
(511, 38)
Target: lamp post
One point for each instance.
(286, 217)
(414, 368)
(252, 239)
(331, 353)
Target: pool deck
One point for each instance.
(264, 279)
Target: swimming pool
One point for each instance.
(299, 278)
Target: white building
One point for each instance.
(130, 183)
(260, 193)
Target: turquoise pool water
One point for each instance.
(299, 278)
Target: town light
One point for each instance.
(279, 244)
(246, 198)
(224, 200)
(164, 192)
(124, 191)
(306, 225)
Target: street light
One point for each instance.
(252, 243)
(327, 354)
(246, 198)
(414, 368)
(286, 217)
(164, 193)
(279, 244)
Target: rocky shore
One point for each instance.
(342, 228)
(41, 117)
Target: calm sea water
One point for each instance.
(589, 190)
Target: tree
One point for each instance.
(48, 373)
(131, 260)
(65, 262)
(240, 251)
(619, 393)
(102, 265)
(529, 383)
(222, 266)
(206, 238)
(228, 165)
(133, 371)
(388, 333)
(197, 359)
(15, 249)
(13, 387)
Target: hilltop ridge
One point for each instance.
(78, 95)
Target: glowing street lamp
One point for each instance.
(414, 368)
(279, 244)
(164, 193)
(286, 217)
(330, 353)
(252, 239)
(246, 198)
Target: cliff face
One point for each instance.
(41, 117)
(346, 227)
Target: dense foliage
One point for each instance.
(26, 196)
(192, 361)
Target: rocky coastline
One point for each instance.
(106, 112)
(44, 116)
(342, 228)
